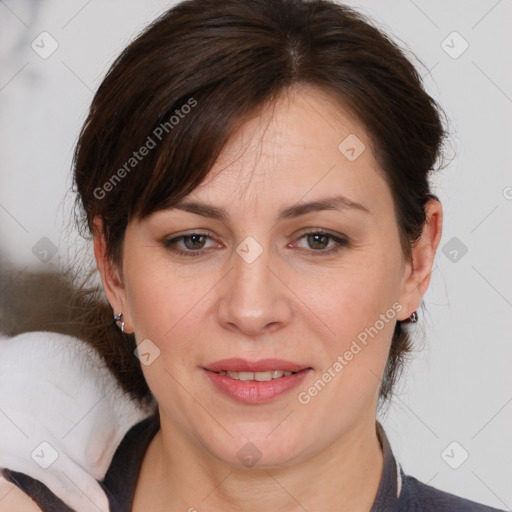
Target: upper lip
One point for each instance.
(261, 365)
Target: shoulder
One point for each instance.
(48, 382)
(13, 498)
(415, 496)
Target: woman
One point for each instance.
(255, 176)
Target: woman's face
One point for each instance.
(265, 278)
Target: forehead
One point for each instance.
(303, 145)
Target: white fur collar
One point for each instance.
(56, 390)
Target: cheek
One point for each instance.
(357, 296)
(165, 315)
(169, 310)
(159, 297)
(359, 312)
(151, 306)
(356, 356)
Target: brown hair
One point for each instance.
(192, 77)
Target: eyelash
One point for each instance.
(340, 243)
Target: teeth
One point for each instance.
(257, 376)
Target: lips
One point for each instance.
(255, 382)
(262, 365)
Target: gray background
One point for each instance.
(458, 387)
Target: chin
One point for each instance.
(259, 451)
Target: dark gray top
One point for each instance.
(397, 492)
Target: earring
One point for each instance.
(413, 318)
(118, 318)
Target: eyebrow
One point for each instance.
(338, 202)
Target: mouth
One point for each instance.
(256, 376)
(255, 382)
(239, 365)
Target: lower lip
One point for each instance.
(255, 392)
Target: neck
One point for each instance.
(178, 475)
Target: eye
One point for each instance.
(193, 242)
(318, 241)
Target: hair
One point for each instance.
(192, 77)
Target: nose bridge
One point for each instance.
(254, 296)
(251, 272)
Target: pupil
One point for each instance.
(315, 239)
(193, 237)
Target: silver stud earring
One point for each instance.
(118, 318)
(413, 318)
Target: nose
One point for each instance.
(255, 299)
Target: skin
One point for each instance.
(293, 302)
(13, 498)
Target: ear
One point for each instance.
(111, 276)
(418, 272)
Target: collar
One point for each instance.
(391, 479)
(122, 476)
